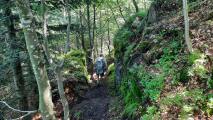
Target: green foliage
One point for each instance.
(111, 75)
(124, 34)
(151, 114)
(128, 52)
(131, 109)
(131, 94)
(143, 46)
(121, 40)
(152, 83)
(198, 65)
(210, 107)
(193, 57)
(210, 83)
(74, 64)
(188, 101)
(77, 115)
(131, 19)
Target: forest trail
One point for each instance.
(95, 106)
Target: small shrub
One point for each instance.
(210, 107)
(151, 114)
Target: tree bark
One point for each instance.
(101, 33)
(45, 40)
(145, 6)
(136, 5)
(89, 52)
(93, 35)
(109, 41)
(68, 45)
(58, 72)
(37, 59)
(121, 12)
(82, 31)
(113, 15)
(57, 68)
(186, 20)
(77, 42)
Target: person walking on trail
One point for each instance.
(100, 66)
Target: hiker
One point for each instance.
(100, 66)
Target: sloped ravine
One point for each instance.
(159, 78)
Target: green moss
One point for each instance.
(128, 53)
(121, 40)
(143, 46)
(193, 97)
(210, 107)
(183, 75)
(111, 75)
(193, 57)
(151, 114)
(75, 65)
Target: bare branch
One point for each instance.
(20, 118)
(16, 110)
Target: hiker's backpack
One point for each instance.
(100, 66)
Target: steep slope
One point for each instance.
(160, 79)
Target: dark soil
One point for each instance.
(95, 106)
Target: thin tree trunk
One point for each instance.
(136, 5)
(45, 40)
(58, 68)
(37, 60)
(109, 41)
(121, 12)
(82, 31)
(68, 45)
(89, 26)
(89, 53)
(58, 72)
(144, 2)
(93, 35)
(113, 15)
(186, 20)
(101, 33)
(77, 42)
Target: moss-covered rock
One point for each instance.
(75, 65)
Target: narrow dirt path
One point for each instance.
(95, 105)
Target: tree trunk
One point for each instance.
(68, 45)
(77, 42)
(82, 31)
(89, 53)
(45, 40)
(16, 62)
(144, 2)
(58, 68)
(109, 41)
(37, 60)
(136, 5)
(113, 15)
(101, 33)
(120, 10)
(93, 35)
(186, 20)
(58, 72)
